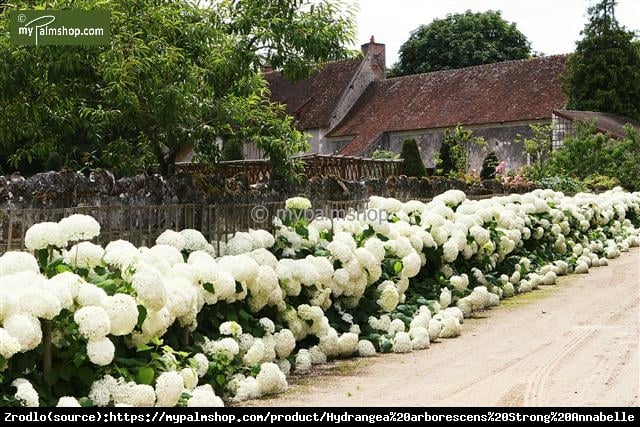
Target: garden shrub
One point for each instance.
(489, 166)
(176, 324)
(412, 164)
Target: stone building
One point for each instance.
(350, 107)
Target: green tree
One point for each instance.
(604, 72)
(176, 75)
(412, 164)
(589, 153)
(538, 146)
(232, 150)
(455, 152)
(461, 40)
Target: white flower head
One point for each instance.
(230, 328)
(172, 238)
(101, 351)
(169, 387)
(43, 235)
(79, 227)
(301, 203)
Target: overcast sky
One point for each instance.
(552, 26)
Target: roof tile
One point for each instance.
(494, 93)
(312, 100)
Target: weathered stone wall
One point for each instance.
(500, 138)
(68, 189)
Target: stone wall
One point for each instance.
(68, 189)
(501, 138)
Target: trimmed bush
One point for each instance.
(412, 164)
(489, 166)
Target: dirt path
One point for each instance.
(572, 344)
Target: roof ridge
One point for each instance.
(492, 64)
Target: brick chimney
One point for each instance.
(375, 53)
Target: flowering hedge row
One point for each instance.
(177, 324)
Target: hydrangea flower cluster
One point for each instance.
(272, 304)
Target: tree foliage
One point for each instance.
(461, 40)
(537, 146)
(176, 75)
(589, 153)
(604, 72)
(412, 164)
(455, 152)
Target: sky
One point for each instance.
(552, 26)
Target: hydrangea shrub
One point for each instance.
(178, 325)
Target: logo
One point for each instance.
(59, 27)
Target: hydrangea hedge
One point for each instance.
(177, 324)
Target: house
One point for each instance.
(349, 107)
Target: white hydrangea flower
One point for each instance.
(450, 328)
(202, 364)
(285, 343)
(301, 203)
(402, 343)
(271, 380)
(189, 377)
(169, 387)
(347, 344)
(123, 313)
(435, 326)
(303, 361)
(389, 296)
(121, 254)
(93, 322)
(39, 302)
(26, 329)
(172, 238)
(255, 353)
(100, 351)
(230, 328)
(419, 338)
(102, 389)
(89, 294)
(194, 240)
(68, 402)
(241, 243)
(84, 255)
(317, 356)
(445, 298)
(79, 227)
(366, 348)
(227, 346)
(268, 325)
(8, 345)
(142, 395)
(204, 396)
(16, 262)
(43, 235)
(149, 286)
(411, 265)
(459, 282)
(25, 394)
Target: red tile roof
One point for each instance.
(312, 100)
(510, 91)
(605, 122)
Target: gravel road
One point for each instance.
(572, 344)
